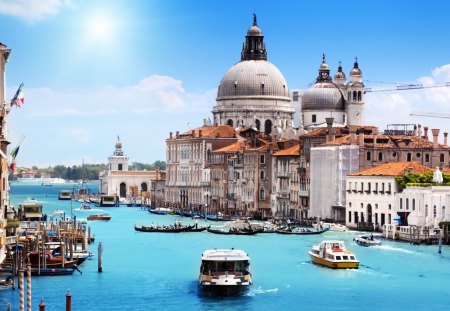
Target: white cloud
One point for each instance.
(33, 10)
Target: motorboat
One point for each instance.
(367, 240)
(99, 217)
(85, 207)
(331, 226)
(300, 231)
(6, 280)
(65, 195)
(58, 212)
(333, 254)
(224, 272)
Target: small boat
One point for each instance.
(300, 231)
(234, 231)
(6, 281)
(366, 240)
(163, 229)
(58, 212)
(224, 272)
(160, 211)
(331, 226)
(50, 260)
(53, 271)
(85, 207)
(105, 217)
(333, 254)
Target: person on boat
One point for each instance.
(196, 224)
(371, 236)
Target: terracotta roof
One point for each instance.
(393, 169)
(237, 146)
(292, 151)
(223, 131)
(388, 142)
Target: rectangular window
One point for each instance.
(313, 118)
(349, 216)
(262, 159)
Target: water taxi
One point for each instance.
(225, 272)
(107, 200)
(30, 211)
(99, 217)
(333, 254)
(367, 240)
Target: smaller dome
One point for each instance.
(324, 66)
(355, 70)
(254, 31)
(322, 96)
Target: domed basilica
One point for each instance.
(254, 93)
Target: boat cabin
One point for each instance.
(108, 200)
(218, 262)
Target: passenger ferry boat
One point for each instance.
(108, 201)
(65, 195)
(30, 211)
(333, 254)
(225, 272)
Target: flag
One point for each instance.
(15, 152)
(18, 98)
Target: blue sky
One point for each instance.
(140, 69)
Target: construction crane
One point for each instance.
(405, 87)
(430, 114)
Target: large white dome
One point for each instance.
(253, 78)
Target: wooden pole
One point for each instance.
(100, 254)
(68, 301)
(28, 286)
(440, 241)
(21, 301)
(42, 305)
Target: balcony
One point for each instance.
(205, 183)
(283, 174)
(303, 193)
(283, 194)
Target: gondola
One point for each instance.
(167, 229)
(234, 231)
(53, 271)
(301, 231)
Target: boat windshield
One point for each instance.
(222, 266)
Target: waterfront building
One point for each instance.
(118, 180)
(398, 143)
(374, 198)
(287, 182)
(188, 165)
(5, 159)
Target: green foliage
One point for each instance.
(87, 171)
(12, 224)
(421, 180)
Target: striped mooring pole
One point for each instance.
(28, 286)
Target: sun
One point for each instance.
(100, 27)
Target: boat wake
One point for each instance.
(394, 249)
(259, 291)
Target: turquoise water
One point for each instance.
(151, 271)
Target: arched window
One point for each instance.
(257, 124)
(268, 127)
(441, 158)
(208, 155)
(380, 156)
(144, 187)
(230, 122)
(369, 156)
(261, 175)
(354, 95)
(119, 167)
(359, 96)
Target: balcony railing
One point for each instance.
(283, 174)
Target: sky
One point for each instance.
(94, 71)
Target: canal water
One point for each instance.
(155, 271)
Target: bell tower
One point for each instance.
(118, 161)
(355, 96)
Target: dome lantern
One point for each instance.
(254, 48)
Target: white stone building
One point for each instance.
(373, 196)
(119, 181)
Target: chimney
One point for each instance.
(330, 136)
(361, 138)
(352, 130)
(178, 133)
(445, 138)
(419, 130)
(425, 132)
(435, 133)
(200, 132)
(170, 135)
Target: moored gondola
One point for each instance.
(169, 229)
(234, 231)
(301, 231)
